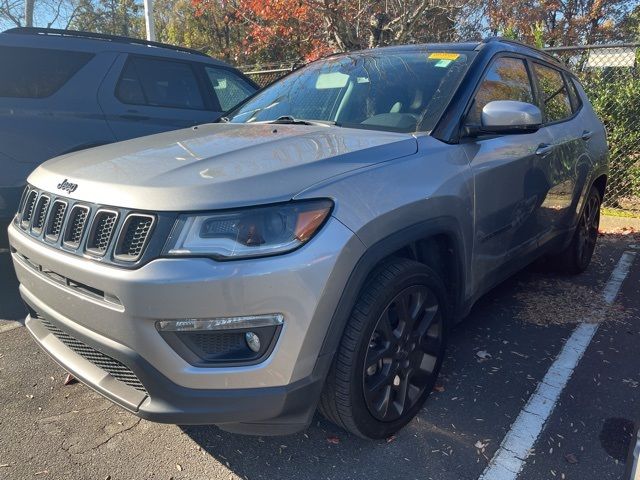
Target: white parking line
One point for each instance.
(5, 327)
(508, 461)
(4, 250)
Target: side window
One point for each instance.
(556, 104)
(507, 79)
(47, 70)
(576, 101)
(229, 88)
(159, 83)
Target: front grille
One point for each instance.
(56, 219)
(113, 367)
(101, 231)
(40, 213)
(134, 237)
(75, 226)
(29, 206)
(114, 235)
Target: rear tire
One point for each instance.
(390, 353)
(577, 256)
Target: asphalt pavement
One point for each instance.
(496, 359)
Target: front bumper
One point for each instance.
(277, 395)
(264, 411)
(9, 200)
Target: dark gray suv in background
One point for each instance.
(63, 91)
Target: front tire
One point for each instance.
(391, 351)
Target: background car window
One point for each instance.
(228, 87)
(507, 79)
(47, 70)
(556, 104)
(159, 83)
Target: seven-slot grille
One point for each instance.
(113, 367)
(77, 227)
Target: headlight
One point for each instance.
(248, 232)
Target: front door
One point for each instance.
(509, 178)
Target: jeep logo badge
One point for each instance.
(67, 186)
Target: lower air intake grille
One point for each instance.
(113, 367)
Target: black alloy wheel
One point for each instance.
(403, 353)
(390, 352)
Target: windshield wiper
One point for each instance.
(289, 120)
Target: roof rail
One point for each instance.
(520, 44)
(99, 36)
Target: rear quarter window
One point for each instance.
(576, 100)
(37, 72)
(556, 104)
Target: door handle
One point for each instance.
(586, 135)
(544, 149)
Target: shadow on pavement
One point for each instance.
(478, 397)
(438, 442)
(11, 306)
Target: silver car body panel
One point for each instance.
(216, 166)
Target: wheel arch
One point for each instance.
(437, 243)
(601, 184)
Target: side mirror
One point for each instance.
(507, 116)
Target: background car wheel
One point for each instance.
(576, 258)
(391, 351)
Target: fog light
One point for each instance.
(229, 341)
(228, 323)
(253, 341)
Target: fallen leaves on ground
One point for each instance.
(69, 379)
(483, 355)
(571, 458)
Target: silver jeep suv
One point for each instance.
(314, 247)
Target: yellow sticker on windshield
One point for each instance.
(443, 56)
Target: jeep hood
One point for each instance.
(218, 165)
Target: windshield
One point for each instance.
(399, 91)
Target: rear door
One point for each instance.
(560, 107)
(509, 177)
(143, 95)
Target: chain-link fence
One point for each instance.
(263, 75)
(610, 75)
(611, 78)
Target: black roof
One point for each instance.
(102, 41)
(495, 44)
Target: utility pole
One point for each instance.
(148, 19)
(28, 13)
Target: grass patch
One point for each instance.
(614, 212)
